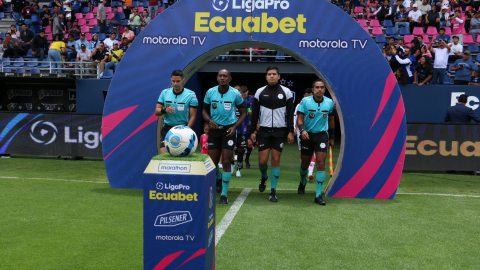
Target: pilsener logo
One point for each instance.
(173, 219)
(250, 5)
(177, 168)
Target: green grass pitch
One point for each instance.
(48, 222)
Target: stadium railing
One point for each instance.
(81, 68)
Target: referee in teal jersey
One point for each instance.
(315, 118)
(178, 105)
(219, 111)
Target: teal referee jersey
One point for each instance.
(315, 119)
(223, 107)
(181, 102)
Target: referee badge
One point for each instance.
(214, 105)
(324, 115)
(311, 115)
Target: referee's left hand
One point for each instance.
(290, 138)
(231, 131)
(332, 142)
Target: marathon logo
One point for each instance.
(177, 168)
(173, 219)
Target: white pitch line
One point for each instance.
(52, 179)
(435, 194)
(228, 218)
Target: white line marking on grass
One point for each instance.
(52, 179)
(228, 218)
(434, 194)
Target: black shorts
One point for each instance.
(163, 134)
(242, 141)
(271, 139)
(217, 140)
(318, 143)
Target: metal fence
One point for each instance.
(83, 69)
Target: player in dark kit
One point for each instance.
(243, 140)
(178, 105)
(220, 105)
(273, 110)
(315, 118)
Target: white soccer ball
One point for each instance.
(181, 141)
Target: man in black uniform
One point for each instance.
(273, 109)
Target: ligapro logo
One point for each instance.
(250, 5)
(41, 124)
(168, 186)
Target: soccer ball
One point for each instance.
(181, 141)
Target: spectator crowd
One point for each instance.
(77, 30)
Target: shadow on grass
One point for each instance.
(292, 198)
(119, 191)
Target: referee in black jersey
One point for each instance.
(273, 111)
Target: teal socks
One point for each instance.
(275, 173)
(263, 170)
(303, 176)
(219, 175)
(226, 176)
(319, 182)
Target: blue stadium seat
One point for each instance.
(108, 30)
(404, 31)
(95, 29)
(6, 64)
(29, 54)
(380, 39)
(85, 10)
(35, 70)
(102, 36)
(447, 80)
(450, 69)
(114, 4)
(107, 74)
(20, 70)
(145, 4)
(7, 70)
(45, 63)
(390, 31)
(474, 48)
(125, 22)
(387, 23)
(2, 15)
(280, 56)
(32, 62)
(18, 64)
(122, 16)
(2, 35)
(135, 3)
(394, 35)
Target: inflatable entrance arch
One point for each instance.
(192, 32)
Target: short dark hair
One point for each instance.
(70, 35)
(392, 38)
(442, 29)
(23, 24)
(273, 68)
(127, 26)
(8, 34)
(41, 31)
(177, 73)
(458, 11)
(101, 42)
(125, 38)
(463, 98)
(244, 88)
(318, 80)
(456, 37)
(45, 6)
(307, 90)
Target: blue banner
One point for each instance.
(429, 103)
